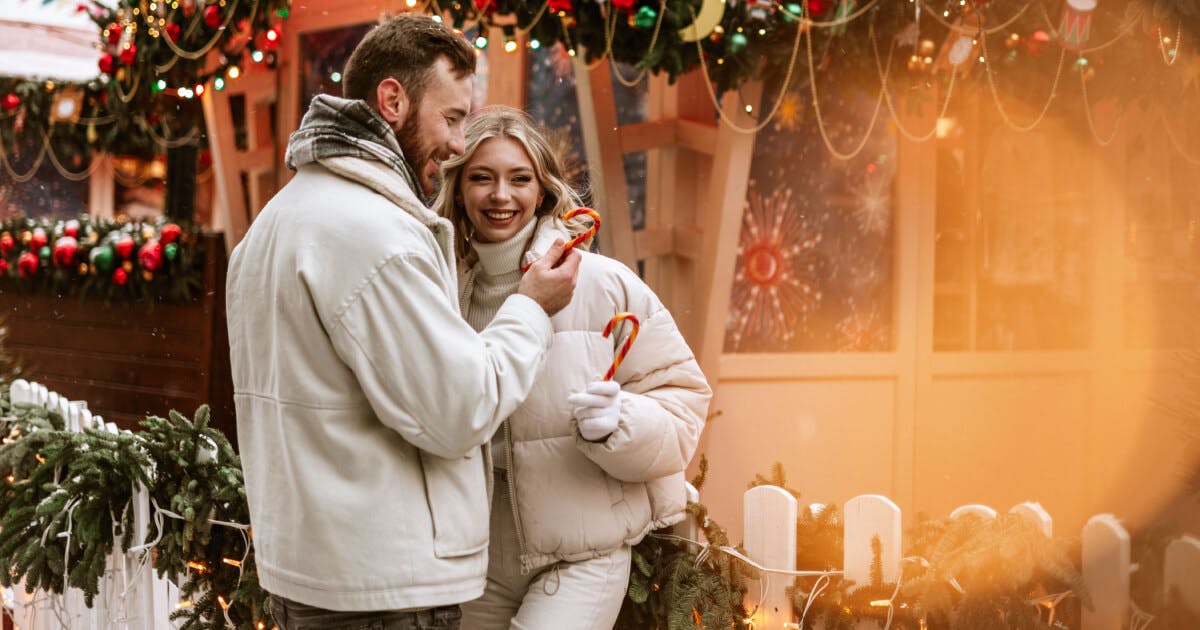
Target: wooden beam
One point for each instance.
(654, 241)
(698, 137)
(723, 226)
(643, 136)
(598, 119)
(507, 72)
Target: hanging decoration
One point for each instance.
(1075, 28)
(157, 262)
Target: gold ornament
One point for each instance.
(83, 269)
(26, 236)
(147, 275)
(127, 266)
(147, 233)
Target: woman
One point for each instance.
(585, 468)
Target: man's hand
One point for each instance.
(598, 410)
(549, 285)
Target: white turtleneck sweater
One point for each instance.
(497, 275)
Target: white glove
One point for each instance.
(598, 410)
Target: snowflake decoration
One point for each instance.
(862, 332)
(790, 112)
(873, 208)
(775, 284)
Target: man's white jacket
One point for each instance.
(363, 397)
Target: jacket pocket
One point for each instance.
(456, 490)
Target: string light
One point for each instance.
(510, 46)
(199, 89)
(257, 56)
(231, 562)
(234, 72)
(336, 77)
(535, 44)
(481, 42)
(219, 83)
(410, 3)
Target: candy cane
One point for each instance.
(589, 233)
(628, 342)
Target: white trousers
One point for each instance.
(584, 595)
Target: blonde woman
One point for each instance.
(584, 468)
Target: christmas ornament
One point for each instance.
(171, 31)
(707, 19)
(170, 233)
(129, 55)
(212, 16)
(83, 269)
(1076, 25)
(106, 63)
(37, 239)
(3, 267)
(11, 101)
(124, 246)
(792, 11)
(646, 18)
(622, 5)
(760, 9)
(64, 251)
(150, 256)
(114, 33)
(844, 9)
(147, 276)
(6, 243)
(102, 258)
(71, 228)
(26, 237)
(120, 277)
(44, 254)
(171, 250)
(737, 43)
(560, 6)
(1037, 42)
(485, 6)
(27, 265)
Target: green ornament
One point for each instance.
(44, 253)
(171, 250)
(791, 12)
(737, 43)
(102, 258)
(646, 18)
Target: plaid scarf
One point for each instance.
(337, 127)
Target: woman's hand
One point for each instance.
(597, 409)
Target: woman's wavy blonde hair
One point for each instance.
(558, 199)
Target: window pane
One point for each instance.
(814, 266)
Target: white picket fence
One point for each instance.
(770, 515)
(131, 596)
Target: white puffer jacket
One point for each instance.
(576, 499)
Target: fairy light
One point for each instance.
(257, 56)
(510, 46)
(410, 3)
(481, 42)
(234, 72)
(535, 44)
(187, 603)
(199, 567)
(219, 84)
(272, 35)
(336, 77)
(222, 603)
(199, 89)
(437, 18)
(231, 562)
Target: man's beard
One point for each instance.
(417, 154)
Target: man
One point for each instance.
(362, 396)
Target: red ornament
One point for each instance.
(1037, 42)
(64, 251)
(3, 266)
(124, 246)
(150, 256)
(485, 6)
(38, 240)
(11, 102)
(129, 55)
(623, 5)
(561, 5)
(120, 277)
(817, 7)
(71, 228)
(106, 63)
(212, 16)
(114, 33)
(172, 31)
(27, 265)
(170, 233)
(7, 242)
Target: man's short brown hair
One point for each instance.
(405, 48)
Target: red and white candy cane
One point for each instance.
(618, 318)
(589, 233)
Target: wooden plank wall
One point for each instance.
(128, 360)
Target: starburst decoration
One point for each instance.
(791, 111)
(872, 207)
(775, 284)
(861, 332)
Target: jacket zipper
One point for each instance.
(512, 499)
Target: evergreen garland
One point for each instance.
(154, 261)
(672, 587)
(83, 483)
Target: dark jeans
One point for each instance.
(290, 615)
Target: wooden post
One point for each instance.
(982, 511)
(1106, 572)
(770, 540)
(1181, 572)
(868, 516)
(1036, 513)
